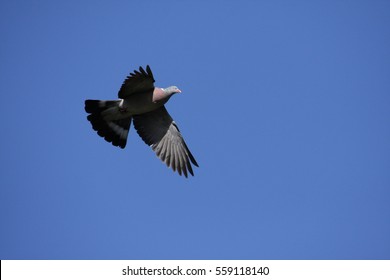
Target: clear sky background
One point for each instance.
(285, 106)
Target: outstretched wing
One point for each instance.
(139, 81)
(159, 131)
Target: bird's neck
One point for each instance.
(161, 95)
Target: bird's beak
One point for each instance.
(179, 91)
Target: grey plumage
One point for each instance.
(143, 103)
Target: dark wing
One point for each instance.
(159, 131)
(139, 81)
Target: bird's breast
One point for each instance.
(141, 103)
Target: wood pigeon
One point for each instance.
(143, 103)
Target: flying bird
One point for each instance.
(143, 103)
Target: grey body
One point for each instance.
(141, 103)
(137, 104)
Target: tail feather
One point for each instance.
(114, 131)
(98, 106)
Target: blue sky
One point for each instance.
(285, 106)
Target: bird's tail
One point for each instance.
(114, 131)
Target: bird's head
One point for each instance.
(172, 90)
